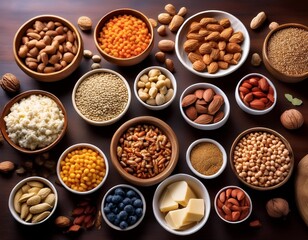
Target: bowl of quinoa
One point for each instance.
(101, 97)
(285, 52)
(33, 121)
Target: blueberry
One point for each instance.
(131, 193)
(109, 198)
(107, 210)
(127, 201)
(133, 199)
(116, 210)
(123, 225)
(122, 215)
(111, 217)
(132, 219)
(121, 205)
(137, 203)
(116, 199)
(110, 205)
(117, 222)
(119, 191)
(138, 212)
(129, 209)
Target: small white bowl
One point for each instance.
(165, 72)
(181, 38)
(226, 107)
(22, 183)
(199, 174)
(197, 187)
(124, 187)
(247, 109)
(77, 146)
(246, 195)
(105, 122)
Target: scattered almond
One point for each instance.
(164, 18)
(162, 30)
(166, 45)
(176, 23)
(169, 64)
(160, 56)
(257, 21)
(6, 166)
(170, 9)
(182, 12)
(153, 22)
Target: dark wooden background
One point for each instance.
(15, 12)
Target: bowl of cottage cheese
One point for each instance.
(33, 121)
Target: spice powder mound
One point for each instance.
(101, 96)
(206, 158)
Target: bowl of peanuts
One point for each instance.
(82, 168)
(124, 37)
(155, 87)
(48, 48)
(256, 94)
(144, 150)
(212, 44)
(232, 204)
(261, 158)
(33, 200)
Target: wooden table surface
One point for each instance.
(15, 12)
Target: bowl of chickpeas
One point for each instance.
(124, 37)
(261, 158)
(82, 168)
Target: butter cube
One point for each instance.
(167, 203)
(181, 192)
(194, 210)
(175, 218)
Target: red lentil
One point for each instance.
(124, 36)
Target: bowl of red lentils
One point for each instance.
(124, 37)
(285, 52)
(101, 97)
(261, 158)
(82, 168)
(144, 150)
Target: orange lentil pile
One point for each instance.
(82, 169)
(124, 36)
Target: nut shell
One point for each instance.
(292, 119)
(10, 83)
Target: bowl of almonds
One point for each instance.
(212, 44)
(204, 106)
(48, 48)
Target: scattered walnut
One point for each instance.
(84, 23)
(10, 83)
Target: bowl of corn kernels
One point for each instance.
(82, 168)
(124, 37)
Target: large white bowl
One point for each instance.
(198, 188)
(181, 38)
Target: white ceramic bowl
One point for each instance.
(75, 147)
(181, 38)
(46, 183)
(197, 187)
(165, 72)
(102, 122)
(226, 107)
(247, 197)
(248, 109)
(196, 172)
(122, 206)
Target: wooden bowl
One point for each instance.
(18, 98)
(52, 76)
(123, 61)
(282, 76)
(270, 162)
(122, 166)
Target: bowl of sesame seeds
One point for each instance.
(285, 52)
(101, 97)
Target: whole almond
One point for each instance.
(223, 64)
(188, 100)
(233, 48)
(192, 56)
(182, 12)
(213, 67)
(225, 22)
(176, 23)
(160, 56)
(170, 8)
(196, 36)
(226, 33)
(191, 112)
(199, 66)
(204, 119)
(205, 48)
(237, 37)
(207, 59)
(218, 116)
(208, 94)
(162, 30)
(199, 93)
(214, 27)
(257, 104)
(263, 84)
(215, 104)
(166, 45)
(164, 18)
(206, 20)
(190, 45)
(201, 108)
(214, 36)
(169, 64)
(6, 166)
(62, 221)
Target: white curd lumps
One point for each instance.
(34, 122)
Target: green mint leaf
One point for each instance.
(296, 102)
(289, 97)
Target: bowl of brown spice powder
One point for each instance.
(285, 52)
(206, 158)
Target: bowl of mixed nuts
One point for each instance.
(212, 44)
(48, 48)
(144, 150)
(155, 87)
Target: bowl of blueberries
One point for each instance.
(123, 207)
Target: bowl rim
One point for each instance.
(265, 45)
(45, 181)
(169, 75)
(71, 148)
(271, 131)
(247, 195)
(211, 126)
(166, 129)
(90, 73)
(226, 71)
(251, 110)
(120, 11)
(143, 208)
(18, 98)
(22, 30)
(221, 148)
(157, 195)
